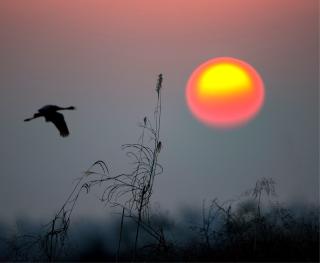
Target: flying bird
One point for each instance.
(51, 114)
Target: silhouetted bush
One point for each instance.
(234, 234)
(252, 227)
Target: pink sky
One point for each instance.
(104, 58)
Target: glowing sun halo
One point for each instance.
(225, 92)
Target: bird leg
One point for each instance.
(36, 115)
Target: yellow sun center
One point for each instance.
(222, 80)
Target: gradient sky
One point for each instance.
(104, 57)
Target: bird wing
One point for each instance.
(58, 120)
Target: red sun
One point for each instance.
(225, 92)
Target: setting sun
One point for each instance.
(225, 92)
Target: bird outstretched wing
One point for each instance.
(58, 120)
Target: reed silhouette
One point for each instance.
(253, 226)
(240, 229)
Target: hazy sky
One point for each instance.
(104, 57)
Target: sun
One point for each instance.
(225, 92)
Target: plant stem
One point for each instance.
(138, 226)
(120, 235)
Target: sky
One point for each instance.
(104, 58)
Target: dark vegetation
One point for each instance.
(252, 227)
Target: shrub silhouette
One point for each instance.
(252, 227)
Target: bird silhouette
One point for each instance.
(51, 114)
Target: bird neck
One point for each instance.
(68, 108)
